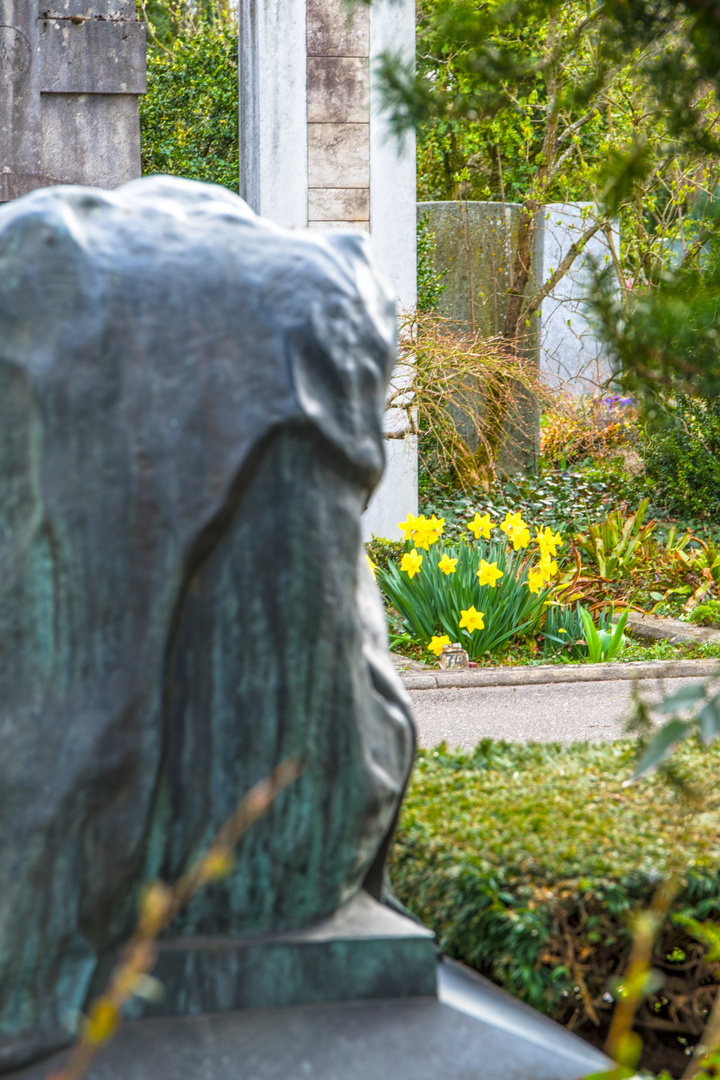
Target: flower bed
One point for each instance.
(483, 593)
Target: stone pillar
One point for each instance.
(316, 151)
(571, 355)
(475, 244)
(70, 75)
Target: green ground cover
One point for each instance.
(528, 862)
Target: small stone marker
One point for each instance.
(454, 656)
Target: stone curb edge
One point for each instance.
(566, 673)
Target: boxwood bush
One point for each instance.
(527, 862)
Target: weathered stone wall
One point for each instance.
(475, 250)
(475, 243)
(571, 355)
(70, 75)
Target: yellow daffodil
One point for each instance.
(411, 563)
(548, 568)
(547, 542)
(471, 619)
(428, 532)
(372, 565)
(488, 574)
(408, 527)
(419, 534)
(516, 529)
(535, 580)
(447, 565)
(561, 631)
(437, 524)
(520, 536)
(481, 525)
(512, 521)
(436, 644)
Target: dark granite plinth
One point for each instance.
(473, 1032)
(363, 951)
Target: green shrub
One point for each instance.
(526, 861)
(430, 284)
(189, 116)
(682, 459)
(380, 550)
(707, 614)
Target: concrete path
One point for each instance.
(564, 712)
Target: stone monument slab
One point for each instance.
(70, 75)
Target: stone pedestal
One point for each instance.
(470, 1031)
(363, 951)
(70, 75)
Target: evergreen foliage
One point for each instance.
(189, 116)
(527, 862)
(682, 458)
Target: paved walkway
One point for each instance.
(564, 712)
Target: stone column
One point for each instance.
(70, 75)
(316, 151)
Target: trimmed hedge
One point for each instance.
(527, 862)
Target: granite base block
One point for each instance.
(471, 1031)
(364, 951)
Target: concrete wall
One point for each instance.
(570, 354)
(69, 87)
(316, 151)
(476, 243)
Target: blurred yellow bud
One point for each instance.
(217, 865)
(154, 904)
(102, 1021)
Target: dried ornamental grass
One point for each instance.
(469, 398)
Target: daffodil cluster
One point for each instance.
(484, 591)
(546, 569)
(422, 531)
